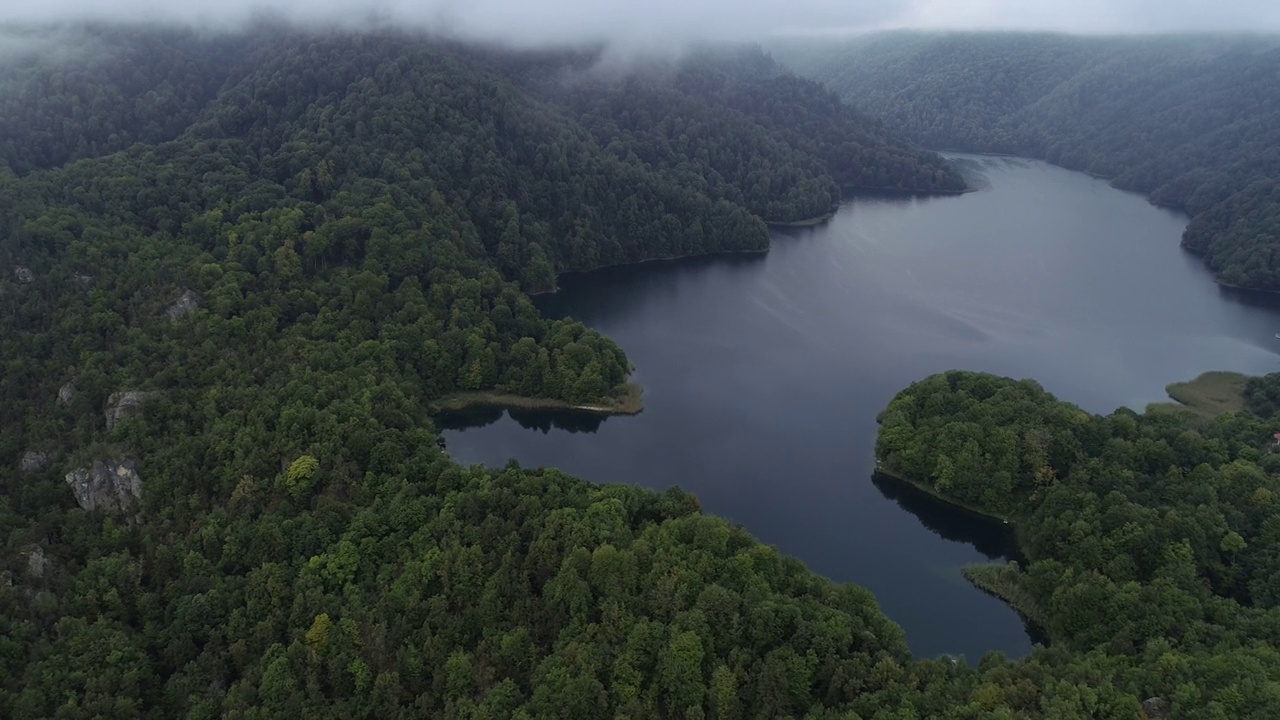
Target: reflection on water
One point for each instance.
(574, 421)
(993, 538)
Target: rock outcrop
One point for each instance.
(33, 460)
(186, 305)
(1155, 708)
(125, 404)
(66, 394)
(36, 562)
(23, 274)
(112, 486)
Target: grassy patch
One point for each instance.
(1007, 583)
(626, 400)
(1211, 394)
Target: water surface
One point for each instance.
(763, 375)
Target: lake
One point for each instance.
(763, 374)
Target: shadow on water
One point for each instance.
(993, 538)
(543, 420)
(1251, 298)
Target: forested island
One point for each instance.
(1192, 121)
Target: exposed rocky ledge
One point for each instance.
(33, 460)
(186, 305)
(124, 405)
(112, 486)
(66, 394)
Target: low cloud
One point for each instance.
(670, 22)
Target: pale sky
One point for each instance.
(668, 21)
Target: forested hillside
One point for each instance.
(236, 272)
(1192, 121)
(1153, 540)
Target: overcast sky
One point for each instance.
(678, 20)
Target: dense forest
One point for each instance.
(236, 272)
(1193, 121)
(1153, 540)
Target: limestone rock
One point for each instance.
(33, 460)
(1155, 708)
(36, 562)
(66, 394)
(186, 305)
(23, 274)
(125, 404)
(113, 485)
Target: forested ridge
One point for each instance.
(1193, 121)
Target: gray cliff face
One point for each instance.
(33, 460)
(125, 404)
(66, 394)
(186, 305)
(23, 274)
(112, 486)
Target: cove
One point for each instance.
(763, 374)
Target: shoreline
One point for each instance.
(1004, 583)
(1001, 581)
(646, 261)
(856, 189)
(808, 222)
(883, 469)
(775, 225)
(1271, 294)
(627, 401)
(1109, 179)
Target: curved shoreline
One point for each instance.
(1001, 581)
(628, 400)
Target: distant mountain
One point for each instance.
(1193, 121)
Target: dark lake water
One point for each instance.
(763, 375)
